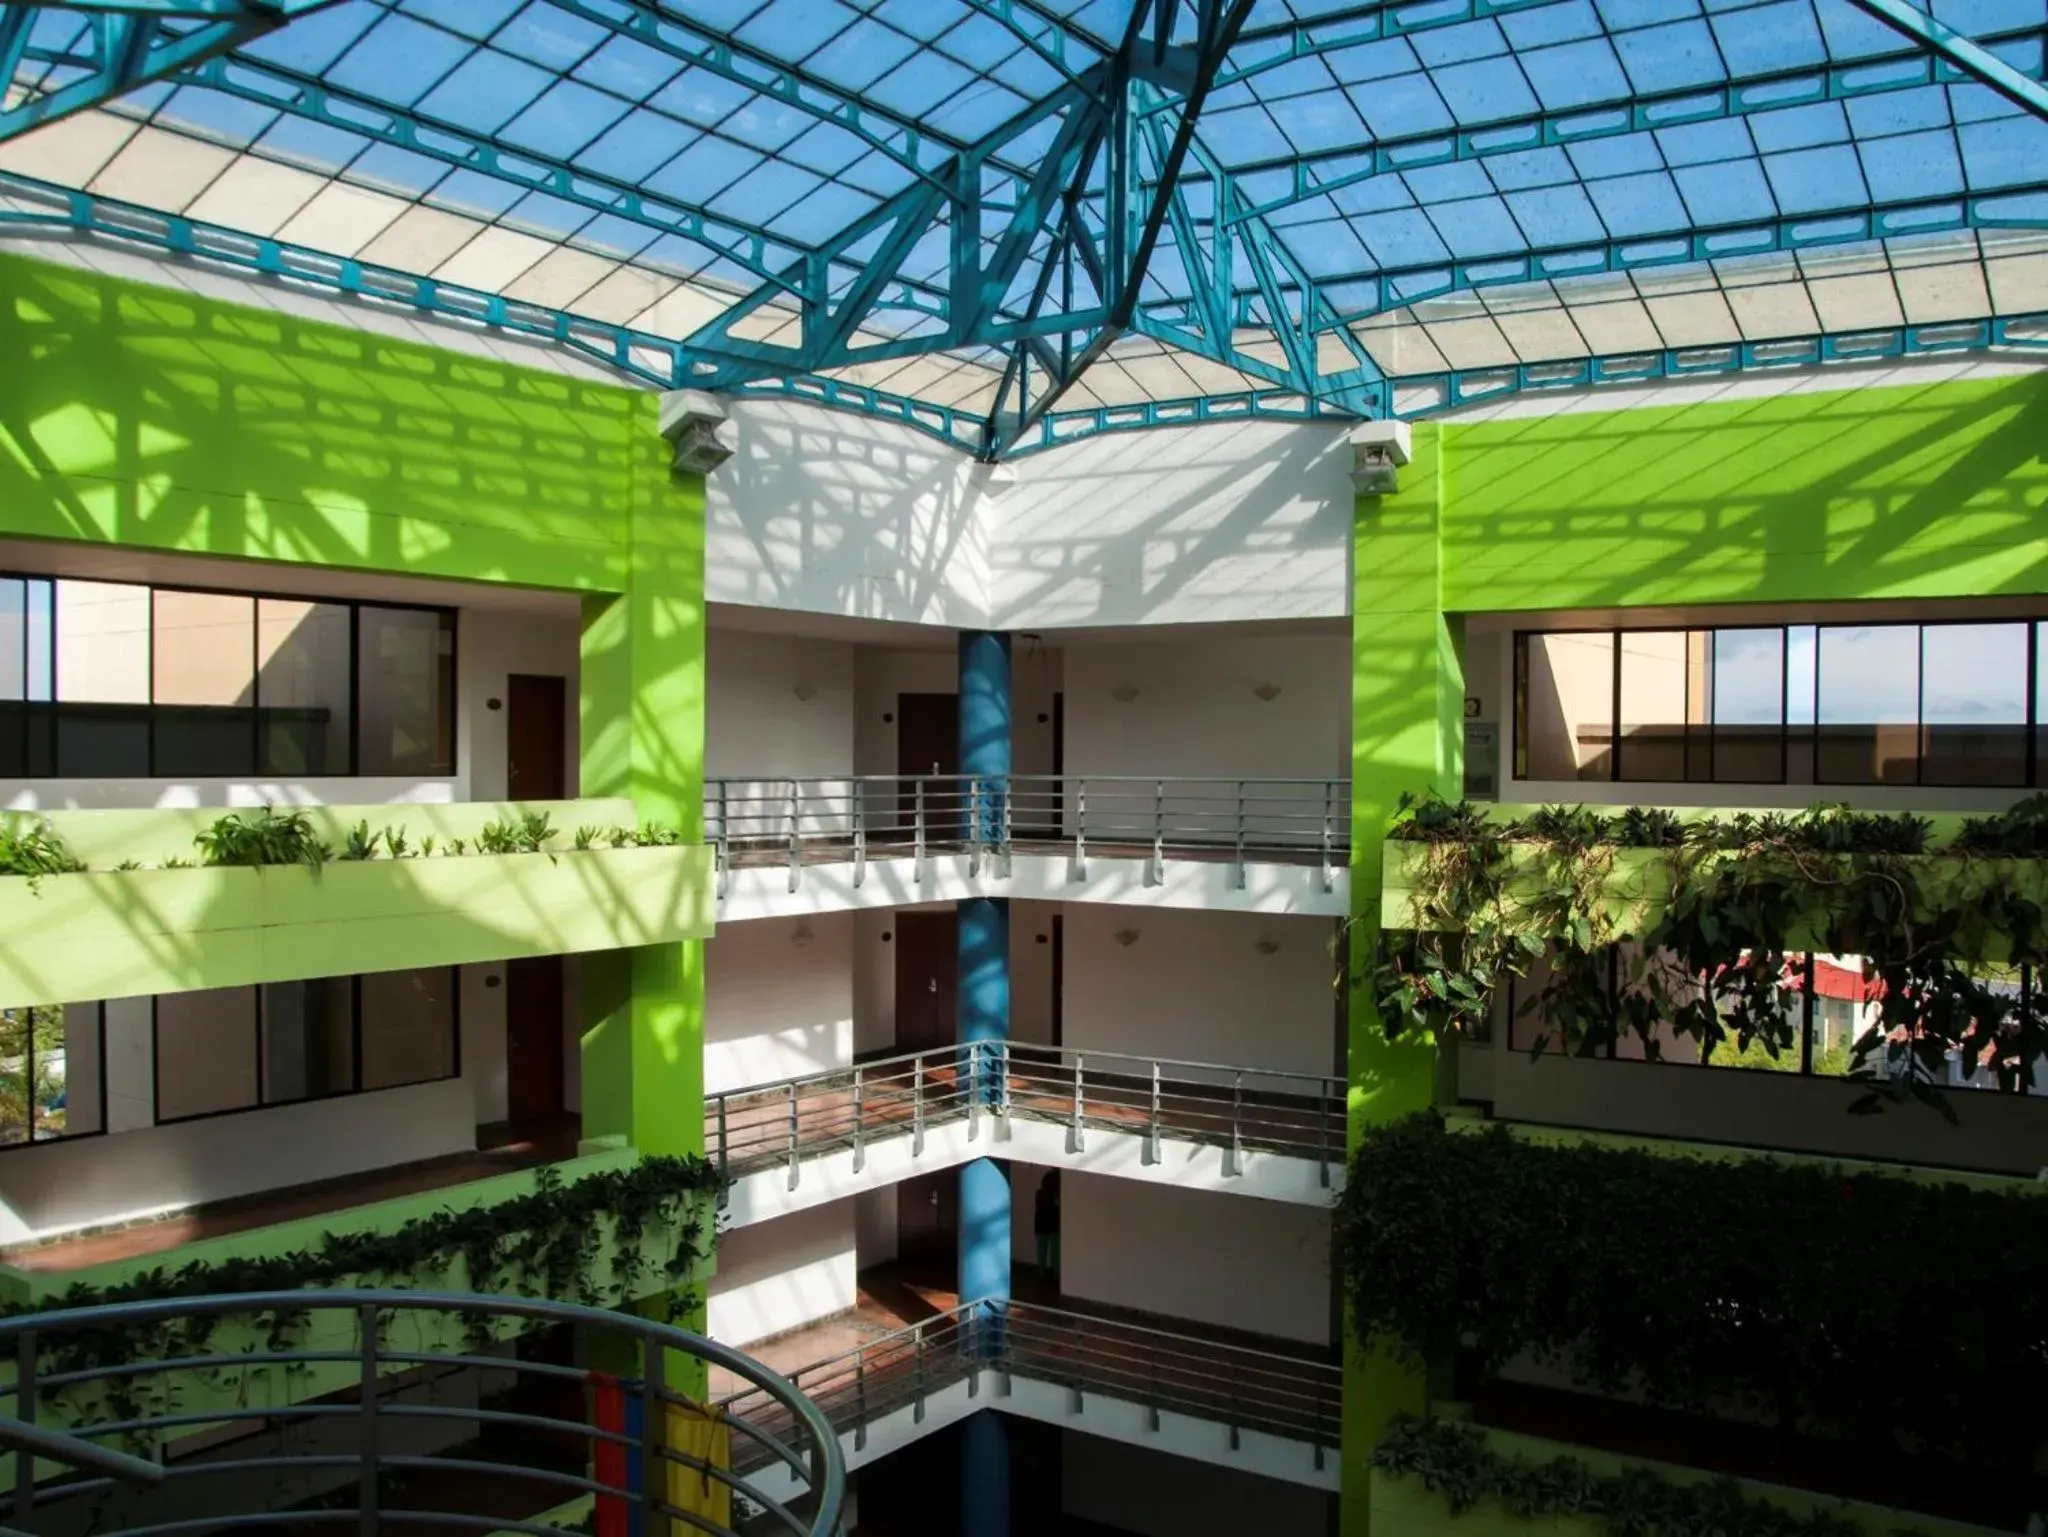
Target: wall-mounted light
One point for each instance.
(1266, 946)
(1124, 693)
(1125, 937)
(800, 935)
(805, 690)
(1266, 691)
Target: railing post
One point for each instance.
(26, 1352)
(724, 841)
(1077, 1138)
(1153, 1405)
(1233, 1406)
(917, 1407)
(793, 1175)
(1158, 832)
(1007, 827)
(1236, 1126)
(860, 831)
(1074, 1355)
(1003, 1087)
(860, 1149)
(1240, 835)
(1323, 1133)
(860, 1401)
(724, 1151)
(974, 828)
(1080, 829)
(367, 1494)
(1329, 795)
(796, 858)
(973, 1069)
(1152, 1137)
(917, 836)
(654, 1520)
(917, 1106)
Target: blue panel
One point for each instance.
(985, 1476)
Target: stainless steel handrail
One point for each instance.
(854, 817)
(194, 1486)
(1240, 1108)
(1240, 1386)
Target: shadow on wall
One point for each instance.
(827, 513)
(150, 417)
(1922, 490)
(1207, 523)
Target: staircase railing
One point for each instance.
(1297, 1398)
(219, 1413)
(1243, 1110)
(856, 818)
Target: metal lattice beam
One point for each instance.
(1970, 57)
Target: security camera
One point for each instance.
(1378, 450)
(690, 420)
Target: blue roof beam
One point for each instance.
(1970, 57)
(119, 47)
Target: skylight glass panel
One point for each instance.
(476, 19)
(551, 38)
(485, 91)
(399, 60)
(627, 67)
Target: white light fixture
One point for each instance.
(1125, 937)
(1124, 693)
(1266, 946)
(1266, 691)
(805, 690)
(1378, 450)
(690, 420)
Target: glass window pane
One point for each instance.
(308, 1039)
(1654, 715)
(13, 639)
(68, 1055)
(408, 1028)
(302, 686)
(1747, 683)
(205, 1052)
(405, 691)
(203, 666)
(1867, 704)
(17, 1073)
(1973, 704)
(42, 639)
(2041, 703)
(102, 677)
(1568, 706)
(1802, 659)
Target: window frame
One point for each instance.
(99, 1026)
(354, 1091)
(24, 707)
(2033, 727)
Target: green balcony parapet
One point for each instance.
(111, 932)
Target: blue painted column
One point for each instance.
(985, 1476)
(984, 1002)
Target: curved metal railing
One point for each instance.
(247, 1410)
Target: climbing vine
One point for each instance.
(651, 1221)
(1700, 920)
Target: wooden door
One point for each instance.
(927, 744)
(535, 735)
(928, 1225)
(533, 1040)
(927, 978)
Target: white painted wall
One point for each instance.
(1209, 523)
(489, 647)
(778, 999)
(757, 720)
(1193, 986)
(777, 1276)
(879, 675)
(1152, 1493)
(1262, 1267)
(826, 512)
(874, 1225)
(1195, 711)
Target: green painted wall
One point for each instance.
(1913, 491)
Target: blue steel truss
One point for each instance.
(1007, 204)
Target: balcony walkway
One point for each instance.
(801, 1141)
(506, 1153)
(909, 1358)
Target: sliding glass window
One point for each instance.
(241, 1048)
(113, 680)
(1950, 703)
(52, 1073)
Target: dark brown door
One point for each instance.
(927, 978)
(533, 1040)
(928, 743)
(536, 765)
(928, 1225)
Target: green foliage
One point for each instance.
(1894, 1312)
(35, 852)
(587, 836)
(1742, 896)
(1455, 1461)
(269, 837)
(32, 1060)
(544, 1244)
(397, 843)
(361, 843)
(528, 835)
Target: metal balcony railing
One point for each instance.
(1240, 1109)
(213, 1460)
(1297, 1398)
(857, 817)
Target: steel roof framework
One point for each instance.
(1012, 222)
